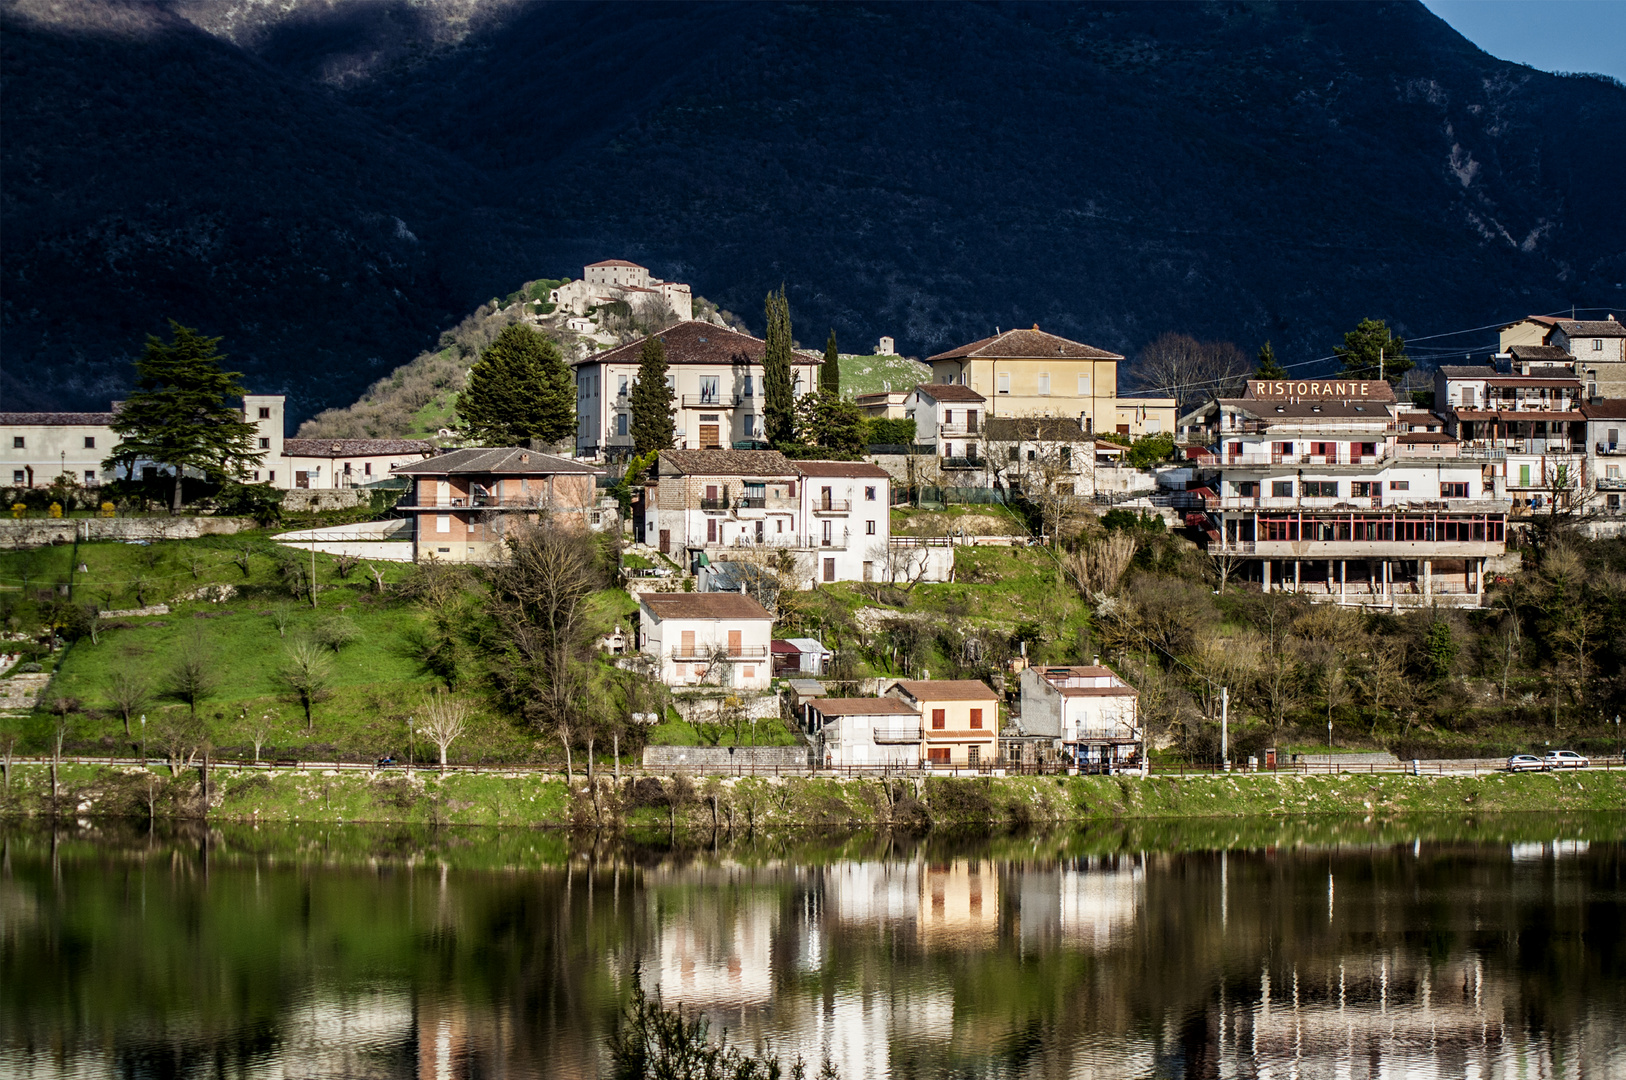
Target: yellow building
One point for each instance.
(1032, 373)
(959, 720)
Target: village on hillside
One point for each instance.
(1337, 490)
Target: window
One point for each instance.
(18, 477)
(90, 476)
(1454, 490)
(1468, 396)
(750, 671)
(1044, 382)
(1154, 426)
(1321, 489)
(976, 718)
(1067, 457)
(711, 530)
(1083, 386)
(790, 490)
(1248, 489)
(265, 413)
(1016, 454)
(256, 476)
(1281, 489)
(1362, 489)
(18, 443)
(265, 444)
(621, 423)
(939, 719)
(273, 475)
(938, 755)
(948, 417)
(869, 528)
(708, 389)
(869, 493)
(620, 386)
(745, 387)
(1004, 382)
(1400, 485)
(90, 442)
(443, 523)
(367, 469)
(1597, 344)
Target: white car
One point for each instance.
(1564, 759)
(1524, 763)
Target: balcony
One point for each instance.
(1262, 460)
(1611, 483)
(1610, 449)
(962, 463)
(709, 401)
(833, 506)
(714, 504)
(477, 502)
(718, 652)
(786, 541)
(752, 502)
(898, 734)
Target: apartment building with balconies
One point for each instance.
(1319, 486)
(463, 503)
(950, 418)
(717, 391)
(707, 639)
(849, 733)
(1089, 712)
(959, 720)
(1606, 456)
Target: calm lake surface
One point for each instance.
(1485, 948)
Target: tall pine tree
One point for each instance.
(1370, 351)
(518, 391)
(1268, 367)
(830, 370)
(779, 404)
(179, 414)
(653, 428)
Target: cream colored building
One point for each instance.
(616, 280)
(1032, 373)
(959, 719)
(39, 447)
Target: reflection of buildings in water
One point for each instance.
(959, 904)
(1087, 903)
(716, 956)
(873, 892)
(1418, 1018)
(1556, 849)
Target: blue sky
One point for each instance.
(1552, 35)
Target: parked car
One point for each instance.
(1564, 759)
(1524, 763)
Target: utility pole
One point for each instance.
(1225, 726)
(1380, 363)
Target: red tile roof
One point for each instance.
(355, 447)
(856, 469)
(56, 419)
(1032, 344)
(947, 689)
(498, 461)
(1607, 409)
(616, 262)
(866, 706)
(949, 392)
(696, 342)
(725, 463)
(704, 605)
(1591, 328)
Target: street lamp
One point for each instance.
(412, 753)
(1620, 750)
(143, 740)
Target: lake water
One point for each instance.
(1483, 949)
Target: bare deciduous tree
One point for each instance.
(445, 718)
(191, 676)
(128, 690)
(1190, 371)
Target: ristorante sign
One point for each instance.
(1342, 389)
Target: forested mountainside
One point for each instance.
(330, 184)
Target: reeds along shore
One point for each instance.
(541, 800)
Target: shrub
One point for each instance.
(891, 431)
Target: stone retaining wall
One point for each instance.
(718, 759)
(303, 500)
(38, 532)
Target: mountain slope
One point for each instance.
(1109, 171)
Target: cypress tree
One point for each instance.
(519, 390)
(653, 428)
(179, 414)
(779, 405)
(1268, 367)
(830, 371)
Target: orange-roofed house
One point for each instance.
(959, 720)
(1090, 712)
(700, 639)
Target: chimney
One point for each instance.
(1097, 659)
(1036, 326)
(742, 588)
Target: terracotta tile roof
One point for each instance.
(857, 469)
(1465, 371)
(56, 419)
(704, 605)
(861, 706)
(725, 463)
(949, 392)
(1034, 429)
(1539, 352)
(1607, 409)
(1591, 327)
(497, 461)
(1545, 320)
(616, 262)
(1032, 344)
(1567, 379)
(947, 690)
(696, 342)
(355, 447)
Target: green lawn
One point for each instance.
(872, 374)
(990, 519)
(676, 731)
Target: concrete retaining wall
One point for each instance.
(38, 532)
(718, 759)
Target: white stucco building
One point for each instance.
(617, 280)
(1089, 711)
(864, 732)
(700, 639)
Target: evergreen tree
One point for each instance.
(519, 390)
(779, 405)
(830, 370)
(179, 414)
(1369, 348)
(1268, 367)
(653, 428)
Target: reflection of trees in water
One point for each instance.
(335, 950)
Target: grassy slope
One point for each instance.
(871, 374)
(537, 799)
